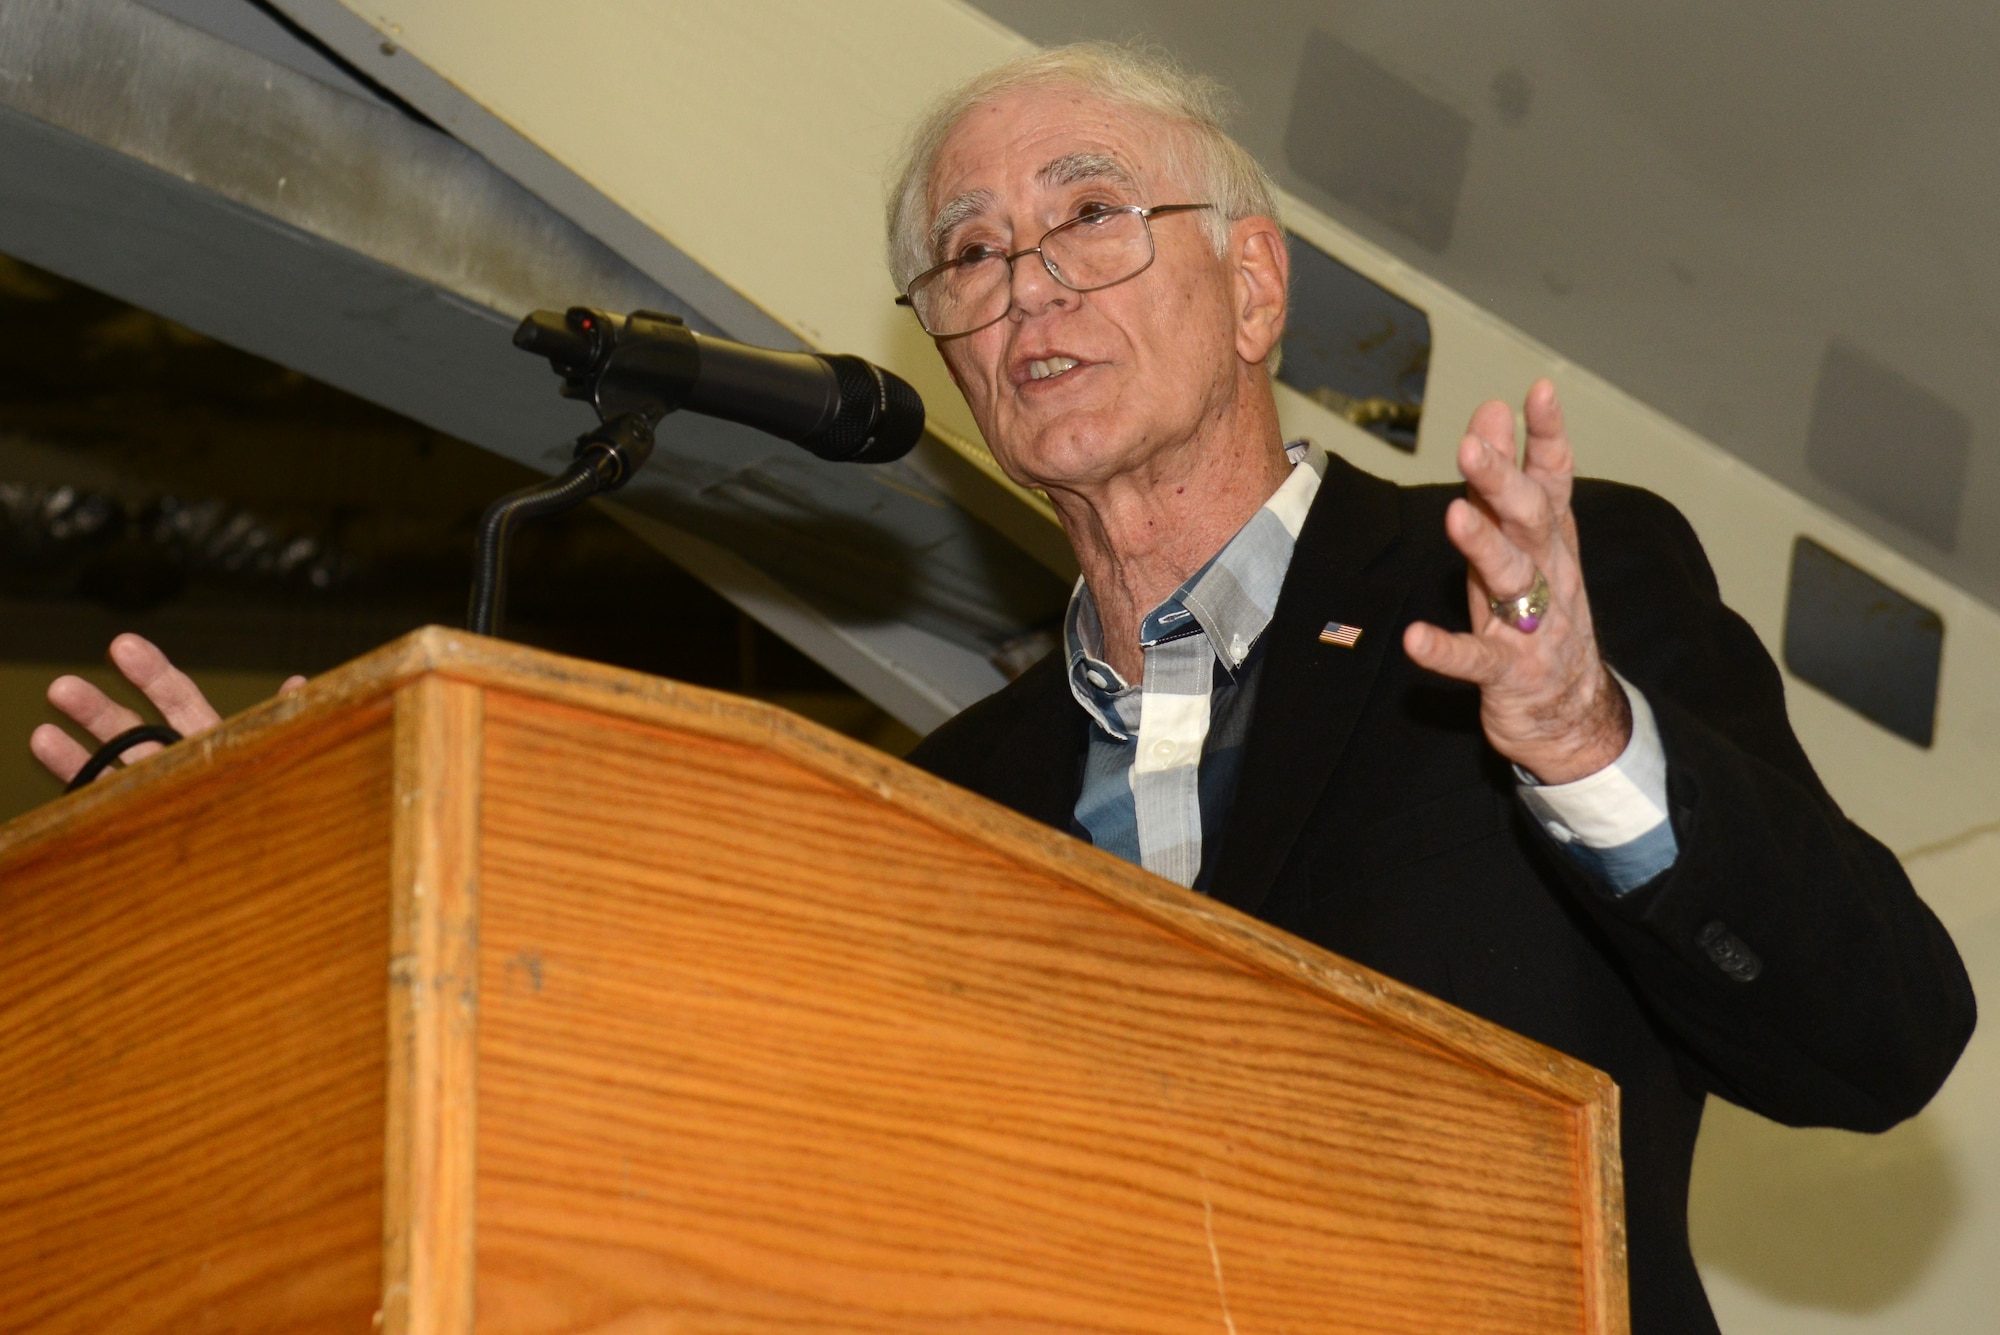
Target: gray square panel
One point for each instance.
(1863, 643)
(1891, 445)
(1377, 143)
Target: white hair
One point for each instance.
(1218, 169)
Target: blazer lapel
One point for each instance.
(1043, 773)
(1311, 692)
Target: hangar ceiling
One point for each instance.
(1773, 222)
(201, 160)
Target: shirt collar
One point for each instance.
(1230, 599)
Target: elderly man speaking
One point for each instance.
(1502, 742)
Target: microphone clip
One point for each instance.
(617, 448)
(645, 363)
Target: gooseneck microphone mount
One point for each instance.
(635, 369)
(605, 458)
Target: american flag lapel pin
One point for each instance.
(1336, 633)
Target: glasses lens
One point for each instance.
(969, 295)
(1099, 249)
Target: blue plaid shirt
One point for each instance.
(1164, 755)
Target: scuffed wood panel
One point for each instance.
(428, 1225)
(192, 983)
(756, 1052)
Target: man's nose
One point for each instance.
(1033, 288)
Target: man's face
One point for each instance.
(1140, 365)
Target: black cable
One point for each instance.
(107, 755)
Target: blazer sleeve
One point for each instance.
(1785, 948)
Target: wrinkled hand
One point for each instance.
(172, 692)
(1546, 699)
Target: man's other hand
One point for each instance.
(172, 692)
(1547, 701)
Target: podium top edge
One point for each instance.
(457, 655)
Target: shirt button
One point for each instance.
(1560, 832)
(1164, 750)
(1096, 678)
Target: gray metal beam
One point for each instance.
(336, 235)
(372, 53)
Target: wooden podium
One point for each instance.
(474, 988)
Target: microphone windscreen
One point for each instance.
(881, 415)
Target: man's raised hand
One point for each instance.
(171, 691)
(1546, 699)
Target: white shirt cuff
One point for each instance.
(1621, 810)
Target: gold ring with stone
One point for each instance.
(1524, 611)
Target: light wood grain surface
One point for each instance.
(756, 1055)
(428, 1228)
(702, 1018)
(723, 717)
(191, 1017)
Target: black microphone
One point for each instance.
(647, 364)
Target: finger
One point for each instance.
(94, 711)
(291, 684)
(1493, 473)
(1498, 565)
(61, 754)
(1512, 499)
(1463, 657)
(1493, 422)
(172, 691)
(1549, 459)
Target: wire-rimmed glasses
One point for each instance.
(1089, 252)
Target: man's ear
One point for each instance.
(1260, 270)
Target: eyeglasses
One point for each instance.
(964, 295)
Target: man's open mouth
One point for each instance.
(1052, 366)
